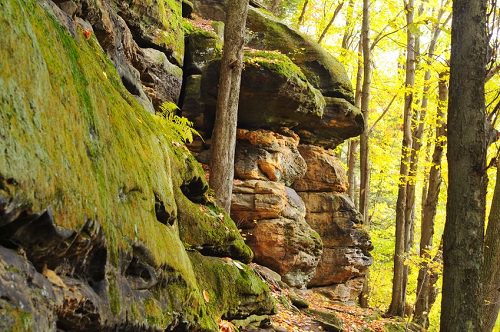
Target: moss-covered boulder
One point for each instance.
(100, 202)
(290, 54)
(156, 24)
(274, 92)
(202, 47)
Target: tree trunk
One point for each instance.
(224, 133)
(491, 268)
(399, 281)
(467, 180)
(364, 191)
(346, 39)
(329, 25)
(365, 104)
(302, 14)
(354, 143)
(422, 305)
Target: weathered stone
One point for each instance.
(287, 246)
(268, 33)
(335, 218)
(347, 292)
(122, 251)
(340, 121)
(338, 265)
(256, 200)
(161, 79)
(267, 155)
(272, 217)
(156, 24)
(192, 105)
(274, 92)
(202, 47)
(324, 171)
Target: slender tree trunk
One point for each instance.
(467, 144)
(491, 268)
(329, 25)
(224, 133)
(422, 305)
(348, 31)
(399, 281)
(354, 143)
(364, 148)
(365, 104)
(302, 14)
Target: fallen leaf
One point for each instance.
(206, 296)
(53, 277)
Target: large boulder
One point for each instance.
(272, 217)
(324, 171)
(156, 24)
(202, 47)
(105, 218)
(335, 218)
(162, 80)
(339, 265)
(338, 118)
(267, 155)
(274, 92)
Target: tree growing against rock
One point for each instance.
(226, 118)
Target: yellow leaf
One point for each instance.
(206, 296)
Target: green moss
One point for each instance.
(275, 61)
(76, 141)
(231, 288)
(14, 319)
(114, 296)
(154, 314)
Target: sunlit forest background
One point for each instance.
(336, 24)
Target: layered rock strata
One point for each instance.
(271, 214)
(332, 214)
(285, 194)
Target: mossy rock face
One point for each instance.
(274, 92)
(267, 32)
(202, 47)
(156, 24)
(321, 69)
(93, 193)
(287, 54)
(238, 293)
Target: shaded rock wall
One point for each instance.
(105, 218)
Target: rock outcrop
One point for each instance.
(292, 92)
(271, 214)
(332, 214)
(106, 221)
(289, 67)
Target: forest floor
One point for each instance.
(308, 310)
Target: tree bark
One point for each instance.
(399, 281)
(422, 305)
(365, 104)
(465, 210)
(364, 191)
(329, 25)
(491, 268)
(224, 133)
(302, 14)
(354, 143)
